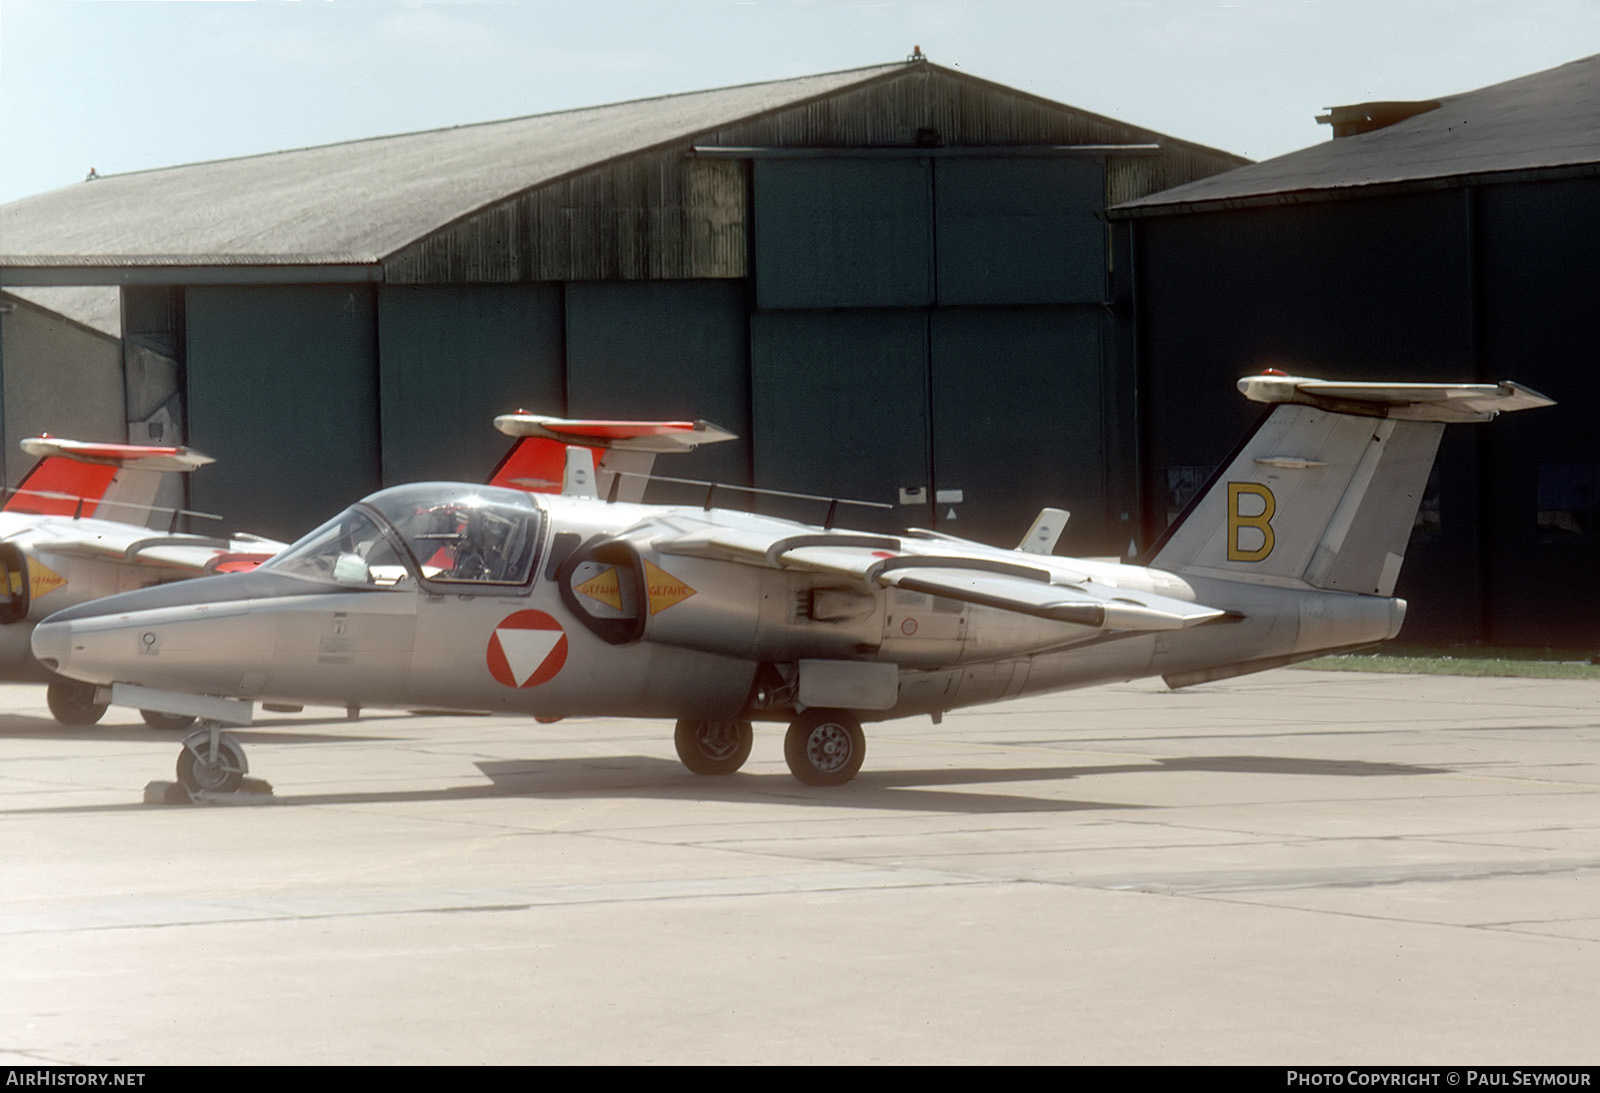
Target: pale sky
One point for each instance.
(123, 85)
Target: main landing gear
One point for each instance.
(713, 747)
(823, 747)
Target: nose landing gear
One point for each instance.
(211, 761)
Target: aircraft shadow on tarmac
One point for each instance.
(647, 776)
(652, 777)
(15, 727)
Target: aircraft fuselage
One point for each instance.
(607, 625)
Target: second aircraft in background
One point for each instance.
(85, 522)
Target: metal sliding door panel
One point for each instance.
(1020, 231)
(1017, 423)
(454, 356)
(840, 407)
(843, 233)
(283, 391)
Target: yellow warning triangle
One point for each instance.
(42, 579)
(665, 589)
(604, 587)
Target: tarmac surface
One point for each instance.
(1292, 868)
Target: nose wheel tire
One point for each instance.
(713, 747)
(211, 762)
(825, 747)
(73, 703)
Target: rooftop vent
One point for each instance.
(1364, 117)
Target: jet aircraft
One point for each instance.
(565, 604)
(77, 528)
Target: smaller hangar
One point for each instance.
(894, 283)
(1451, 239)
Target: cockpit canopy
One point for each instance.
(451, 533)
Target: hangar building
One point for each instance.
(1453, 239)
(894, 283)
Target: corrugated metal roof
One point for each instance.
(1548, 120)
(355, 202)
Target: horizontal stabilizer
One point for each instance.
(557, 455)
(1442, 402)
(90, 478)
(628, 436)
(150, 457)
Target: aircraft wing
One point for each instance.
(186, 555)
(1103, 608)
(986, 577)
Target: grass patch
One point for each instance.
(1463, 660)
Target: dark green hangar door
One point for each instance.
(282, 384)
(928, 332)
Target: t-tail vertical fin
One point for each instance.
(1326, 491)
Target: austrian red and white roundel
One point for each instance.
(527, 648)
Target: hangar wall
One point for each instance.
(282, 390)
(960, 301)
(1539, 248)
(79, 396)
(900, 332)
(1482, 282)
(449, 353)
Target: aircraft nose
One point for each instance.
(52, 642)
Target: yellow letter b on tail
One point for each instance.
(1241, 522)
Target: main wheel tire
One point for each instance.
(825, 747)
(713, 747)
(202, 770)
(73, 702)
(168, 721)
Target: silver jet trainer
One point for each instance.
(471, 597)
